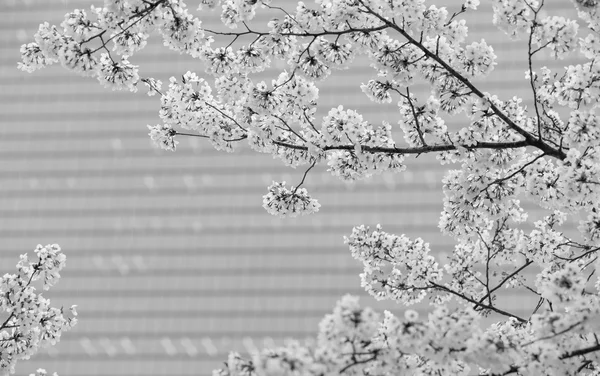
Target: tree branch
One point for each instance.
(306, 34)
(511, 275)
(531, 140)
(583, 351)
(416, 150)
(478, 304)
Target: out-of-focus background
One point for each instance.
(170, 256)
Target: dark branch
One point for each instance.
(507, 278)
(477, 304)
(531, 140)
(415, 150)
(583, 351)
(306, 34)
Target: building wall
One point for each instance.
(170, 256)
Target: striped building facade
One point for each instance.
(170, 256)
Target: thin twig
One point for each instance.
(477, 304)
(304, 176)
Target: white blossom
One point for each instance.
(29, 322)
(506, 158)
(558, 34)
(292, 202)
(162, 136)
(32, 58)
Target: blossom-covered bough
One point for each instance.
(28, 321)
(548, 154)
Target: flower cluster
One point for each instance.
(590, 227)
(99, 44)
(42, 372)
(479, 59)
(289, 203)
(547, 154)
(378, 91)
(545, 243)
(345, 331)
(395, 267)
(421, 123)
(162, 136)
(514, 17)
(561, 285)
(31, 322)
(353, 341)
(33, 58)
(583, 129)
(236, 11)
(558, 34)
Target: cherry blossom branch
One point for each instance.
(289, 128)
(414, 113)
(375, 149)
(225, 115)
(488, 258)
(139, 15)
(579, 352)
(396, 150)
(416, 150)
(304, 176)
(306, 34)
(583, 255)
(354, 354)
(357, 362)
(530, 139)
(530, 54)
(477, 304)
(462, 10)
(426, 53)
(5, 323)
(506, 279)
(281, 10)
(176, 133)
(510, 176)
(36, 270)
(571, 354)
(554, 335)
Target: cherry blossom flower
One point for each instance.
(31, 323)
(285, 202)
(505, 157)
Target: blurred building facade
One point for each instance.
(170, 256)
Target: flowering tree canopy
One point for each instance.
(28, 322)
(548, 155)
